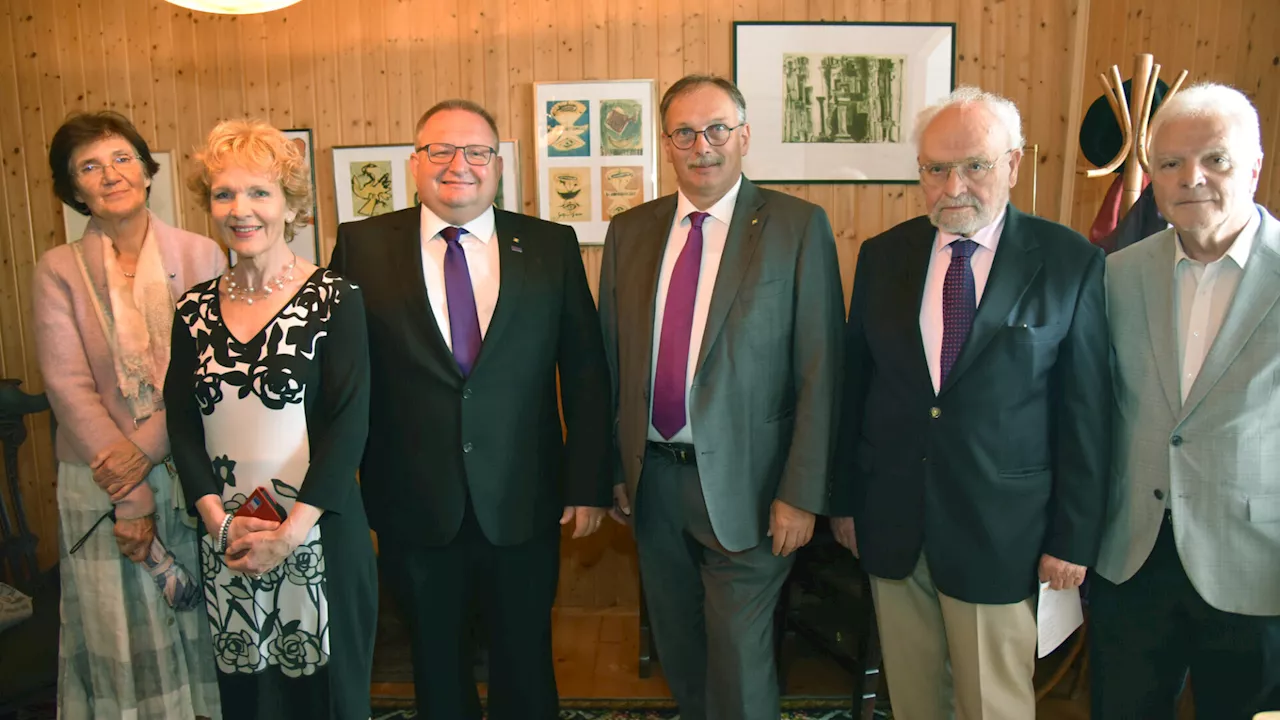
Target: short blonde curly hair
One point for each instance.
(255, 145)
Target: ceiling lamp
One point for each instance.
(234, 7)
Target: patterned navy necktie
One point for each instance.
(959, 303)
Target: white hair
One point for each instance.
(1003, 108)
(1213, 100)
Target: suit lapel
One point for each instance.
(1157, 299)
(749, 219)
(407, 264)
(916, 255)
(511, 272)
(1258, 292)
(1017, 262)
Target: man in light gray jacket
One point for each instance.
(1189, 573)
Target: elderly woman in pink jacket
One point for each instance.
(134, 641)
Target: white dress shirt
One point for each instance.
(480, 246)
(1202, 293)
(988, 238)
(715, 231)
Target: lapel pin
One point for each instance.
(515, 245)
(755, 220)
(173, 275)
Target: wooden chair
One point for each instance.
(29, 651)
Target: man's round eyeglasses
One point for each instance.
(971, 170)
(717, 135)
(443, 153)
(119, 162)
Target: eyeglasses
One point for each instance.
(971, 170)
(443, 153)
(120, 162)
(717, 135)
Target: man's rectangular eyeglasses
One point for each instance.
(120, 162)
(972, 170)
(717, 135)
(443, 153)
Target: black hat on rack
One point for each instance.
(1100, 137)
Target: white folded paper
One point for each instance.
(1058, 614)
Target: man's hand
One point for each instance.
(134, 537)
(790, 527)
(586, 520)
(621, 510)
(1060, 574)
(842, 528)
(119, 468)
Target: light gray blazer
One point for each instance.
(1216, 457)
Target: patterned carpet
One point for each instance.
(630, 709)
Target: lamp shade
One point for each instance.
(234, 7)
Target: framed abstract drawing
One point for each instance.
(163, 200)
(371, 180)
(836, 102)
(596, 151)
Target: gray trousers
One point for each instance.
(711, 610)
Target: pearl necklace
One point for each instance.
(237, 293)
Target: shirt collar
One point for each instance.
(1239, 251)
(481, 227)
(722, 210)
(988, 237)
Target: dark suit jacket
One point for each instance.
(1010, 459)
(435, 437)
(764, 397)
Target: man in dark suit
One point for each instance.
(467, 476)
(974, 436)
(722, 313)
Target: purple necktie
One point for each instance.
(677, 325)
(959, 303)
(464, 322)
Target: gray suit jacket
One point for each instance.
(1216, 457)
(765, 391)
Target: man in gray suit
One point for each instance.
(722, 312)
(1189, 571)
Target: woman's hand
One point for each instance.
(134, 537)
(261, 546)
(119, 468)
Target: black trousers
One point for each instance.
(514, 586)
(1152, 629)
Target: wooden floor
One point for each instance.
(597, 651)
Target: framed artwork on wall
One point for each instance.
(163, 199)
(596, 151)
(836, 102)
(371, 180)
(306, 240)
(509, 197)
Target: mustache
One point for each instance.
(963, 200)
(703, 161)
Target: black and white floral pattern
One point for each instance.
(252, 395)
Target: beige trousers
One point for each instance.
(945, 658)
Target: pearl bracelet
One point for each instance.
(220, 544)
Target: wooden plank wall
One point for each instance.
(361, 74)
(1229, 41)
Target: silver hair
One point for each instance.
(1003, 108)
(1213, 100)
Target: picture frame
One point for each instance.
(822, 112)
(306, 238)
(371, 180)
(163, 200)
(509, 196)
(595, 151)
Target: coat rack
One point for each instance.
(1134, 115)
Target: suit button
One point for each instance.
(1159, 494)
(466, 448)
(935, 412)
(466, 394)
(1176, 440)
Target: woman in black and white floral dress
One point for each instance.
(268, 387)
